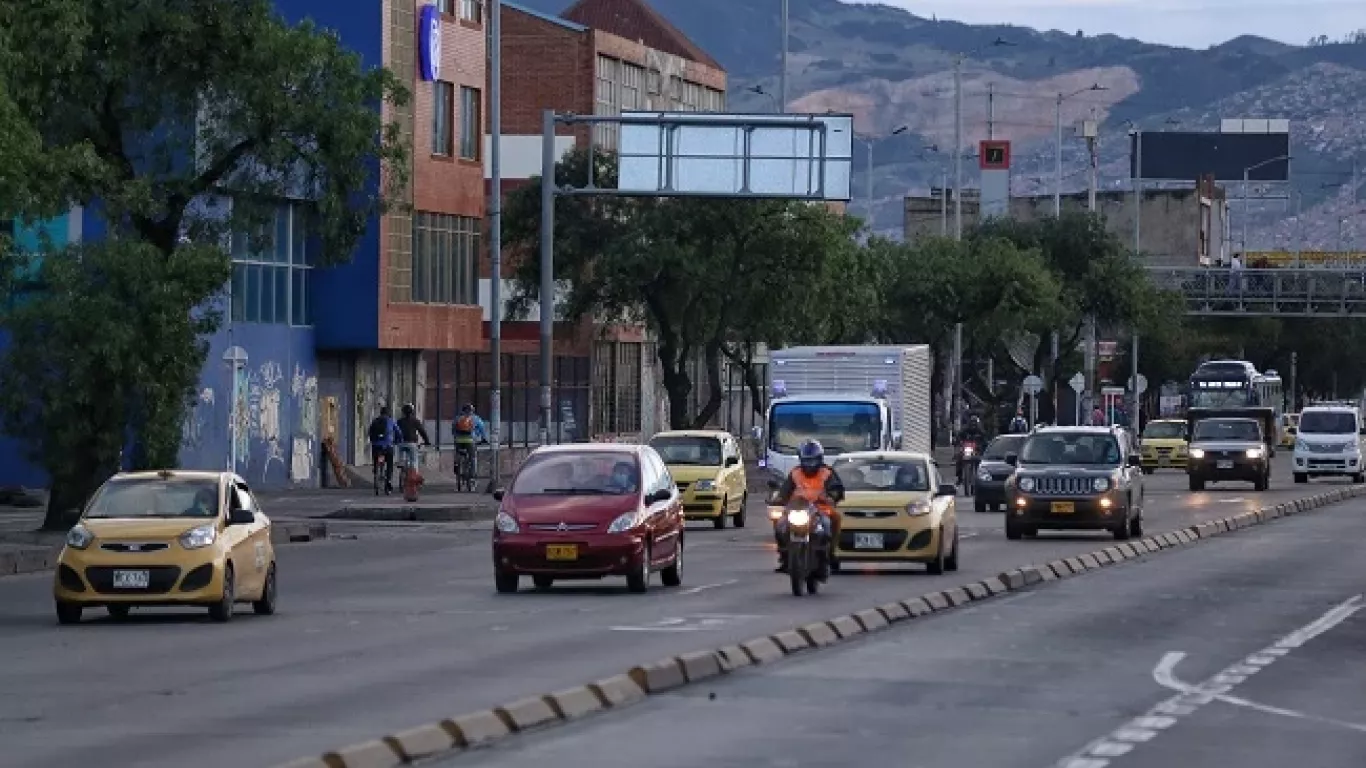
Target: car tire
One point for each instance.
(1013, 531)
(265, 605)
(639, 581)
(1358, 478)
(1261, 483)
(1197, 483)
(1301, 478)
(506, 583)
(979, 505)
(936, 566)
(1121, 533)
(951, 562)
(1148, 470)
(720, 520)
(221, 611)
(673, 575)
(1136, 527)
(118, 611)
(543, 582)
(68, 613)
(739, 519)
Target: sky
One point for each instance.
(1189, 23)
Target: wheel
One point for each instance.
(1136, 527)
(506, 582)
(117, 611)
(1121, 533)
(1302, 478)
(1148, 470)
(265, 606)
(979, 505)
(1359, 478)
(951, 562)
(542, 582)
(719, 521)
(1013, 531)
(68, 613)
(640, 580)
(379, 478)
(1260, 483)
(936, 566)
(673, 575)
(1030, 531)
(796, 570)
(739, 519)
(1197, 483)
(221, 611)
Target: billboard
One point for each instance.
(1188, 155)
(795, 156)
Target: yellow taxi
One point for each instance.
(168, 538)
(1290, 429)
(896, 509)
(710, 475)
(1164, 445)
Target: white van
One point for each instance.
(1329, 443)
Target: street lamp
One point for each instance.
(958, 134)
(782, 75)
(868, 143)
(1057, 127)
(1247, 202)
(759, 89)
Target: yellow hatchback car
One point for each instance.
(896, 509)
(706, 467)
(168, 539)
(1290, 429)
(1164, 445)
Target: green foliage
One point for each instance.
(107, 346)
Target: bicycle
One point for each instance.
(379, 471)
(464, 469)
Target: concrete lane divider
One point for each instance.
(671, 674)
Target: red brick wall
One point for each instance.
(545, 66)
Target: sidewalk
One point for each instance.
(362, 504)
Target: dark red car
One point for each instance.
(586, 511)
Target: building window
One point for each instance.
(270, 271)
(445, 257)
(472, 10)
(632, 78)
(606, 102)
(443, 115)
(713, 100)
(446, 6)
(471, 122)
(692, 97)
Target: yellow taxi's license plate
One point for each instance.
(1063, 507)
(562, 552)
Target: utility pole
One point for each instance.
(1057, 158)
(495, 237)
(547, 324)
(1138, 191)
(1093, 333)
(1294, 366)
(782, 76)
(991, 110)
(958, 147)
(943, 203)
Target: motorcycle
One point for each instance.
(969, 458)
(806, 535)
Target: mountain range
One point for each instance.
(892, 68)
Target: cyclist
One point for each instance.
(384, 434)
(410, 429)
(467, 428)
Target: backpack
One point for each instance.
(465, 425)
(379, 430)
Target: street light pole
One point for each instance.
(1057, 158)
(782, 76)
(871, 215)
(495, 237)
(958, 147)
(1247, 201)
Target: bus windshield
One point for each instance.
(840, 427)
(1202, 397)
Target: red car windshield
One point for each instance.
(611, 473)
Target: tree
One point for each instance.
(149, 112)
(709, 277)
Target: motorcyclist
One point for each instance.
(972, 433)
(1019, 425)
(815, 482)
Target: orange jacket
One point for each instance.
(820, 489)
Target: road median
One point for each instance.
(676, 672)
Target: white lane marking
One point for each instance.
(693, 623)
(1234, 500)
(1165, 714)
(968, 534)
(706, 587)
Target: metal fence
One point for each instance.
(1307, 292)
(456, 378)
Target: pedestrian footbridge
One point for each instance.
(1278, 292)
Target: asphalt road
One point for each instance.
(1242, 652)
(393, 626)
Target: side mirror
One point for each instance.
(662, 495)
(773, 485)
(498, 494)
(239, 516)
(947, 489)
(1013, 459)
(732, 460)
(1134, 460)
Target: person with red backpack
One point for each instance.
(467, 428)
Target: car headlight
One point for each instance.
(506, 523)
(775, 513)
(799, 517)
(705, 485)
(79, 537)
(1255, 453)
(1025, 484)
(984, 476)
(198, 538)
(1197, 453)
(918, 508)
(1100, 484)
(1300, 445)
(626, 522)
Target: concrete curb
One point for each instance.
(480, 728)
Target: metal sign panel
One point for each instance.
(798, 156)
(993, 154)
(1188, 155)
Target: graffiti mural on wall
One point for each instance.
(305, 391)
(198, 420)
(265, 413)
(240, 412)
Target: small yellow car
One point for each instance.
(1164, 445)
(168, 538)
(896, 509)
(1290, 429)
(707, 468)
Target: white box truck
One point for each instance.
(850, 398)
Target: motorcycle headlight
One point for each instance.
(968, 451)
(1025, 484)
(1255, 453)
(198, 538)
(1197, 453)
(918, 508)
(1100, 484)
(506, 523)
(984, 477)
(799, 517)
(626, 522)
(79, 537)
(705, 485)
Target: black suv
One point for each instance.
(989, 491)
(1075, 478)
